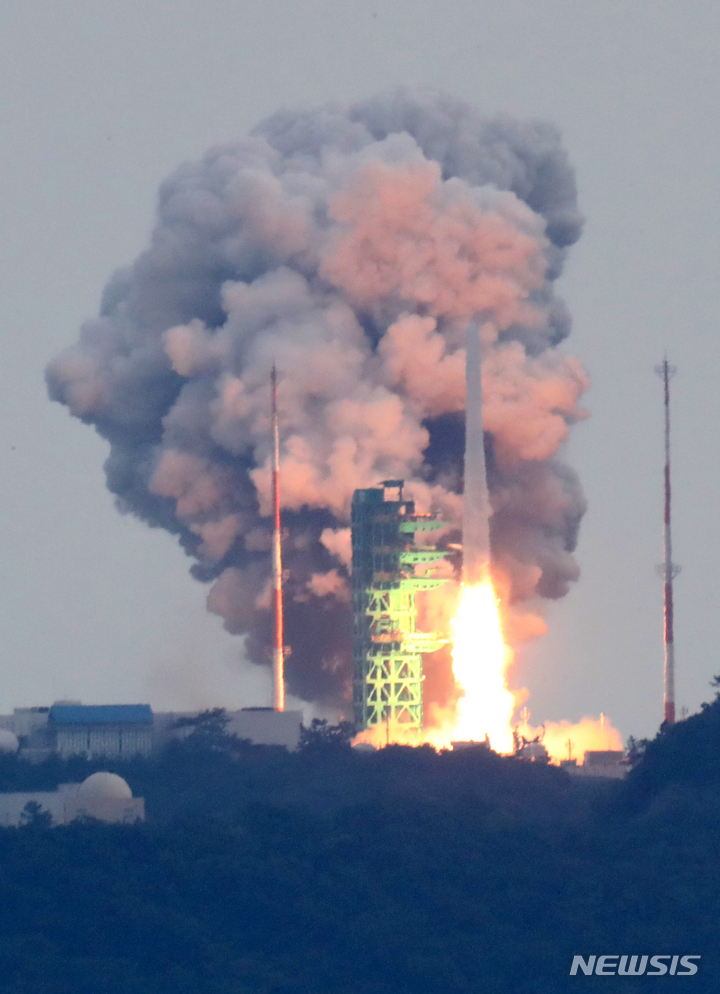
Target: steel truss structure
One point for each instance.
(387, 648)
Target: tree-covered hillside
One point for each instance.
(332, 872)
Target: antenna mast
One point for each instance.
(278, 665)
(668, 570)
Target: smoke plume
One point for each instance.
(350, 245)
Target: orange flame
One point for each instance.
(481, 660)
(570, 740)
(480, 663)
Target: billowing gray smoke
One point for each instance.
(351, 245)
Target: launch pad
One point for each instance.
(387, 647)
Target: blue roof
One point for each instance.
(101, 714)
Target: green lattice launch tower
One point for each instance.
(387, 648)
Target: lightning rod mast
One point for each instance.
(278, 664)
(668, 570)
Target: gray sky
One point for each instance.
(102, 100)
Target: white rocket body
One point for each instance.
(476, 500)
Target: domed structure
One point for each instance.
(104, 784)
(8, 741)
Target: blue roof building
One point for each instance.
(101, 714)
(116, 730)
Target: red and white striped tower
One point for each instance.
(668, 570)
(278, 665)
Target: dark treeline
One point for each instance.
(399, 872)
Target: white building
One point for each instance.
(264, 726)
(121, 731)
(117, 730)
(607, 763)
(104, 796)
(261, 726)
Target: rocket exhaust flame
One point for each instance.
(480, 656)
(480, 662)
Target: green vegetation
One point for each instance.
(403, 871)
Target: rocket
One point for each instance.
(476, 500)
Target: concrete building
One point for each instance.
(25, 722)
(29, 726)
(608, 763)
(107, 797)
(117, 730)
(104, 796)
(120, 731)
(69, 728)
(9, 742)
(264, 726)
(261, 726)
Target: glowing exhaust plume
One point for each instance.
(568, 740)
(480, 656)
(480, 662)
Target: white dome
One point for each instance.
(8, 741)
(105, 785)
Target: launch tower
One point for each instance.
(387, 648)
